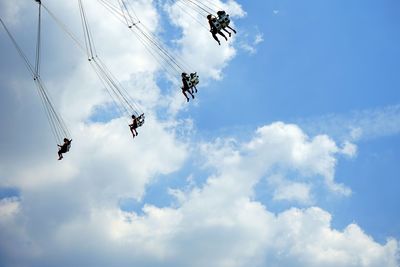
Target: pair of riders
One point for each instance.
(218, 24)
(189, 83)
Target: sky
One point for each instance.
(287, 156)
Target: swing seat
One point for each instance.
(188, 81)
(217, 25)
(194, 79)
(224, 20)
(140, 120)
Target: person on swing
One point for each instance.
(213, 29)
(134, 126)
(64, 148)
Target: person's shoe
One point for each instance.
(234, 31)
(229, 34)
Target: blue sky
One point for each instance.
(292, 144)
(321, 58)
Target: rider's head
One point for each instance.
(133, 116)
(209, 16)
(66, 140)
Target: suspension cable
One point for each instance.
(38, 41)
(20, 52)
(57, 125)
(119, 95)
(145, 39)
(161, 59)
(124, 14)
(179, 5)
(202, 5)
(113, 86)
(199, 8)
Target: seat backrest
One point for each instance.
(140, 120)
(217, 24)
(188, 81)
(224, 20)
(194, 79)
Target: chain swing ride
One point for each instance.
(172, 64)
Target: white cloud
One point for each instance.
(290, 191)
(217, 223)
(349, 149)
(250, 46)
(247, 47)
(357, 125)
(8, 208)
(287, 146)
(307, 239)
(258, 39)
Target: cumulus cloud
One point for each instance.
(215, 223)
(289, 147)
(324, 246)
